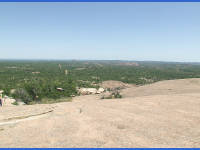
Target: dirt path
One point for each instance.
(146, 120)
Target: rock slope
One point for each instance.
(163, 114)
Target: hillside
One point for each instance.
(168, 87)
(162, 114)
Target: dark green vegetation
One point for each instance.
(34, 81)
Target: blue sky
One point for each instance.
(132, 31)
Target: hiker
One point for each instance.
(1, 100)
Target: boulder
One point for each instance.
(12, 91)
(106, 95)
(20, 103)
(100, 90)
(87, 91)
(7, 101)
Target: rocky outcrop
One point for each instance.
(100, 90)
(7, 101)
(88, 91)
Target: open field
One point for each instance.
(162, 114)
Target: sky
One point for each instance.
(102, 31)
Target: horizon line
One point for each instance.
(53, 59)
(100, 1)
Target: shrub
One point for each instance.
(34, 89)
(22, 95)
(117, 95)
(15, 103)
(113, 95)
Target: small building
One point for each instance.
(60, 89)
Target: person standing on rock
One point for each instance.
(1, 100)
